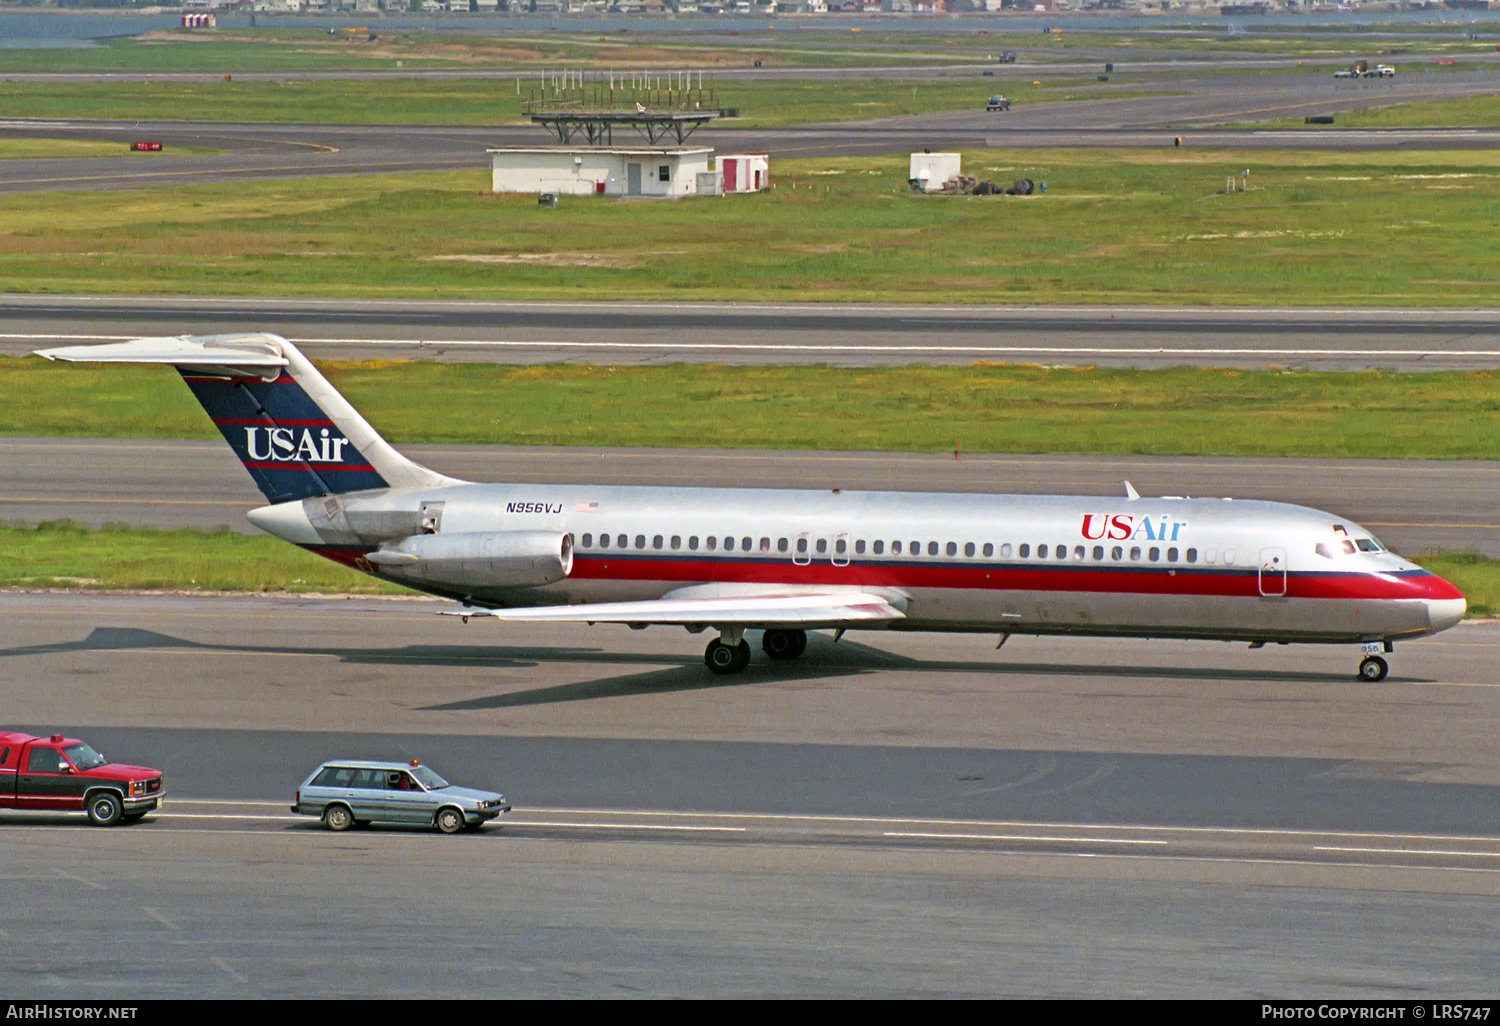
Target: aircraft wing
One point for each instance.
(831, 609)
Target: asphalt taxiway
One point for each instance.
(894, 815)
(785, 333)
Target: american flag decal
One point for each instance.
(586, 507)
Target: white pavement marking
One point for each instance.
(1020, 837)
(64, 874)
(790, 347)
(216, 960)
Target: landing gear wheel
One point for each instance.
(450, 821)
(105, 809)
(1373, 669)
(338, 817)
(780, 644)
(725, 659)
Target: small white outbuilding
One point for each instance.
(930, 170)
(744, 172)
(668, 172)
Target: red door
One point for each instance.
(731, 176)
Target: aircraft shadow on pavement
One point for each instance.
(824, 659)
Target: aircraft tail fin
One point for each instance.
(295, 434)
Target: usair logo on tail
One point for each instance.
(287, 445)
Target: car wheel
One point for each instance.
(338, 817)
(450, 821)
(105, 808)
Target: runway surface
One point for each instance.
(789, 333)
(893, 816)
(1142, 108)
(1416, 507)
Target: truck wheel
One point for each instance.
(105, 808)
(450, 820)
(338, 817)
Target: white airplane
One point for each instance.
(784, 562)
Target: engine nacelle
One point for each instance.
(481, 559)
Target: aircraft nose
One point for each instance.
(1444, 613)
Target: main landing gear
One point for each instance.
(730, 652)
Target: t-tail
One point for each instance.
(295, 434)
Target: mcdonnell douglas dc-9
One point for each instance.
(785, 562)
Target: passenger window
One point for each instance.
(1229, 557)
(588, 541)
(932, 548)
(1025, 550)
(989, 549)
(781, 545)
(1154, 554)
(693, 542)
(822, 545)
(746, 544)
(713, 543)
(859, 547)
(1192, 555)
(801, 546)
(640, 541)
(1004, 550)
(765, 545)
(1061, 552)
(840, 545)
(676, 541)
(728, 544)
(1041, 552)
(1135, 552)
(1209, 555)
(895, 548)
(1117, 553)
(623, 541)
(1099, 553)
(1078, 552)
(656, 542)
(878, 547)
(914, 549)
(1171, 555)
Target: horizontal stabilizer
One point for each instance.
(831, 609)
(243, 355)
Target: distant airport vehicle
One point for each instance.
(785, 562)
(1363, 69)
(997, 103)
(346, 793)
(63, 774)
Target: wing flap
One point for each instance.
(830, 610)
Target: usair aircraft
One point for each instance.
(785, 562)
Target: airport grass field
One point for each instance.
(1152, 227)
(999, 408)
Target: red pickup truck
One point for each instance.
(63, 774)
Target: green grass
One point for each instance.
(61, 554)
(491, 101)
(1135, 226)
(984, 408)
(58, 149)
(1458, 112)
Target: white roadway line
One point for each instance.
(951, 823)
(1410, 851)
(834, 348)
(1023, 837)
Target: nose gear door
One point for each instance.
(1273, 573)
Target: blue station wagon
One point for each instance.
(350, 792)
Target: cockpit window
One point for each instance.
(1347, 546)
(1367, 544)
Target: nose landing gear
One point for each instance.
(1373, 668)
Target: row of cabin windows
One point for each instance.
(1059, 553)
